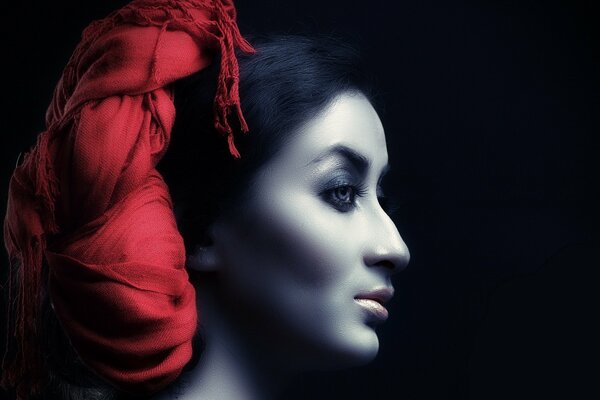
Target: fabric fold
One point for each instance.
(88, 200)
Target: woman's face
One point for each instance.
(307, 259)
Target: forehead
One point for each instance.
(349, 121)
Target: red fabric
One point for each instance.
(88, 198)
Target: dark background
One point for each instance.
(491, 113)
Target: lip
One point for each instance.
(381, 295)
(373, 302)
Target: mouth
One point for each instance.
(373, 302)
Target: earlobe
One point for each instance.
(204, 259)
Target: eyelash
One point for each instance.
(344, 206)
(389, 205)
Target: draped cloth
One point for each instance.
(88, 201)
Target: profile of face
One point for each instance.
(305, 262)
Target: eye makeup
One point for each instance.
(341, 192)
(348, 170)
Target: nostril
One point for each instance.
(385, 263)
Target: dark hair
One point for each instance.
(287, 82)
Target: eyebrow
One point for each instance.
(358, 161)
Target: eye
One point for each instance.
(343, 197)
(344, 194)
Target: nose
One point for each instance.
(385, 247)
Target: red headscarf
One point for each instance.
(88, 199)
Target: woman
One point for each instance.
(275, 238)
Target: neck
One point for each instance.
(230, 367)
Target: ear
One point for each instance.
(204, 259)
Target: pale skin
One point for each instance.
(287, 266)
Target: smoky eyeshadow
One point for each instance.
(337, 180)
(337, 169)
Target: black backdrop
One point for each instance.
(491, 109)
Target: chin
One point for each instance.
(354, 349)
(366, 347)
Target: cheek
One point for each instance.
(293, 254)
(292, 270)
(297, 231)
